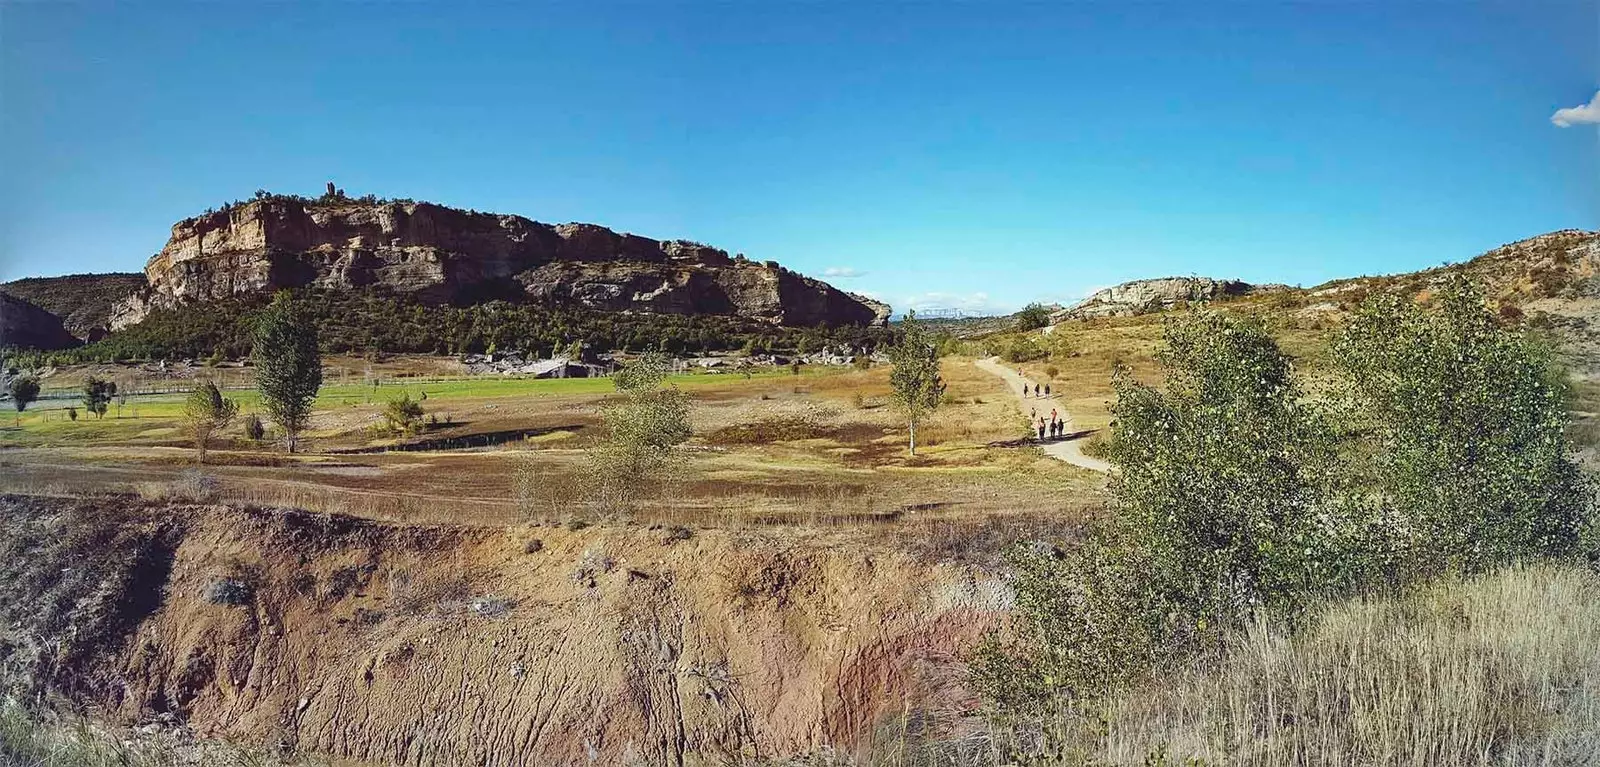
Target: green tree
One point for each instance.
(97, 394)
(1226, 475)
(1466, 421)
(914, 376)
(288, 365)
(24, 391)
(206, 412)
(1033, 317)
(642, 428)
(1220, 513)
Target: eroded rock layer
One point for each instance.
(443, 254)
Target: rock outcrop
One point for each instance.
(1144, 296)
(442, 254)
(25, 325)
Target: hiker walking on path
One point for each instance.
(1041, 429)
(1047, 390)
(1068, 450)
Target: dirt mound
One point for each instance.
(431, 645)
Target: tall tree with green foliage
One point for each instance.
(914, 377)
(206, 412)
(288, 365)
(1466, 432)
(24, 390)
(97, 394)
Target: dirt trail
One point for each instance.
(1069, 449)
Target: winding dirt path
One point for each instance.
(1069, 448)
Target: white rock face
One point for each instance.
(1144, 296)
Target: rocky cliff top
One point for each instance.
(443, 254)
(1153, 295)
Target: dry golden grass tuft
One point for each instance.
(1503, 669)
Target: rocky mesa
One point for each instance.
(441, 254)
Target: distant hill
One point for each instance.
(24, 325)
(82, 301)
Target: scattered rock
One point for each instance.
(228, 591)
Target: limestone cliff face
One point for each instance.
(443, 254)
(1142, 296)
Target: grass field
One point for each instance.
(823, 447)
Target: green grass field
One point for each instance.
(154, 416)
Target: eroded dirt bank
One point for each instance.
(433, 645)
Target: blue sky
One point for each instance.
(975, 155)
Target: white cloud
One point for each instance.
(1588, 114)
(842, 272)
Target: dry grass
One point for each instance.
(42, 738)
(1500, 670)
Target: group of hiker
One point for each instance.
(1056, 426)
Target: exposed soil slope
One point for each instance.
(427, 645)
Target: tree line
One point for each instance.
(372, 320)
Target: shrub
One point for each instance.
(403, 415)
(1086, 621)
(254, 430)
(642, 431)
(232, 592)
(1219, 514)
(1226, 475)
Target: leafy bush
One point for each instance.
(403, 415)
(642, 431)
(1226, 474)
(1466, 422)
(1033, 317)
(254, 430)
(206, 412)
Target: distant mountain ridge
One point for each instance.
(82, 301)
(440, 254)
